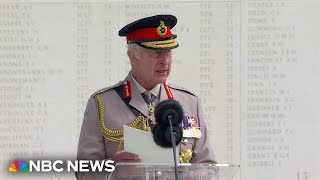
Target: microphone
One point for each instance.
(166, 111)
(162, 135)
(168, 131)
(168, 108)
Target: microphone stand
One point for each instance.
(173, 140)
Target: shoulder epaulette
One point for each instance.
(181, 89)
(106, 89)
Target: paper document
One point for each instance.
(141, 143)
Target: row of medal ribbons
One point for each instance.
(191, 127)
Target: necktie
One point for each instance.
(149, 98)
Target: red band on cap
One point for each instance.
(147, 33)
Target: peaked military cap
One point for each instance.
(152, 32)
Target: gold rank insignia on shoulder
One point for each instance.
(161, 29)
(185, 155)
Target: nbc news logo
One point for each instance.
(61, 166)
(18, 165)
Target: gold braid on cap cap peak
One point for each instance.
(161, 44)
(139, 122)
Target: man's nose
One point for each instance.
(165, 58)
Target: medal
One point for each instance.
(187, 133)
(152, 120)
(151, 103)
(151, 116)
(196, 132)
(150, 108)
(192, 133)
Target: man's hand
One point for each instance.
(124, 156)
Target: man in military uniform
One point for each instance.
(131, 102)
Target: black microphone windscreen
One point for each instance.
(176, 131)
(162, 135)
(166, 109)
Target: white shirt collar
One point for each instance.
(155, 90)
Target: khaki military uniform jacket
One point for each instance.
(93, 145)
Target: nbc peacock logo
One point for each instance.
(18, 166)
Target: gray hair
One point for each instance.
(136, 49)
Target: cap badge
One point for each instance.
(162, 29)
